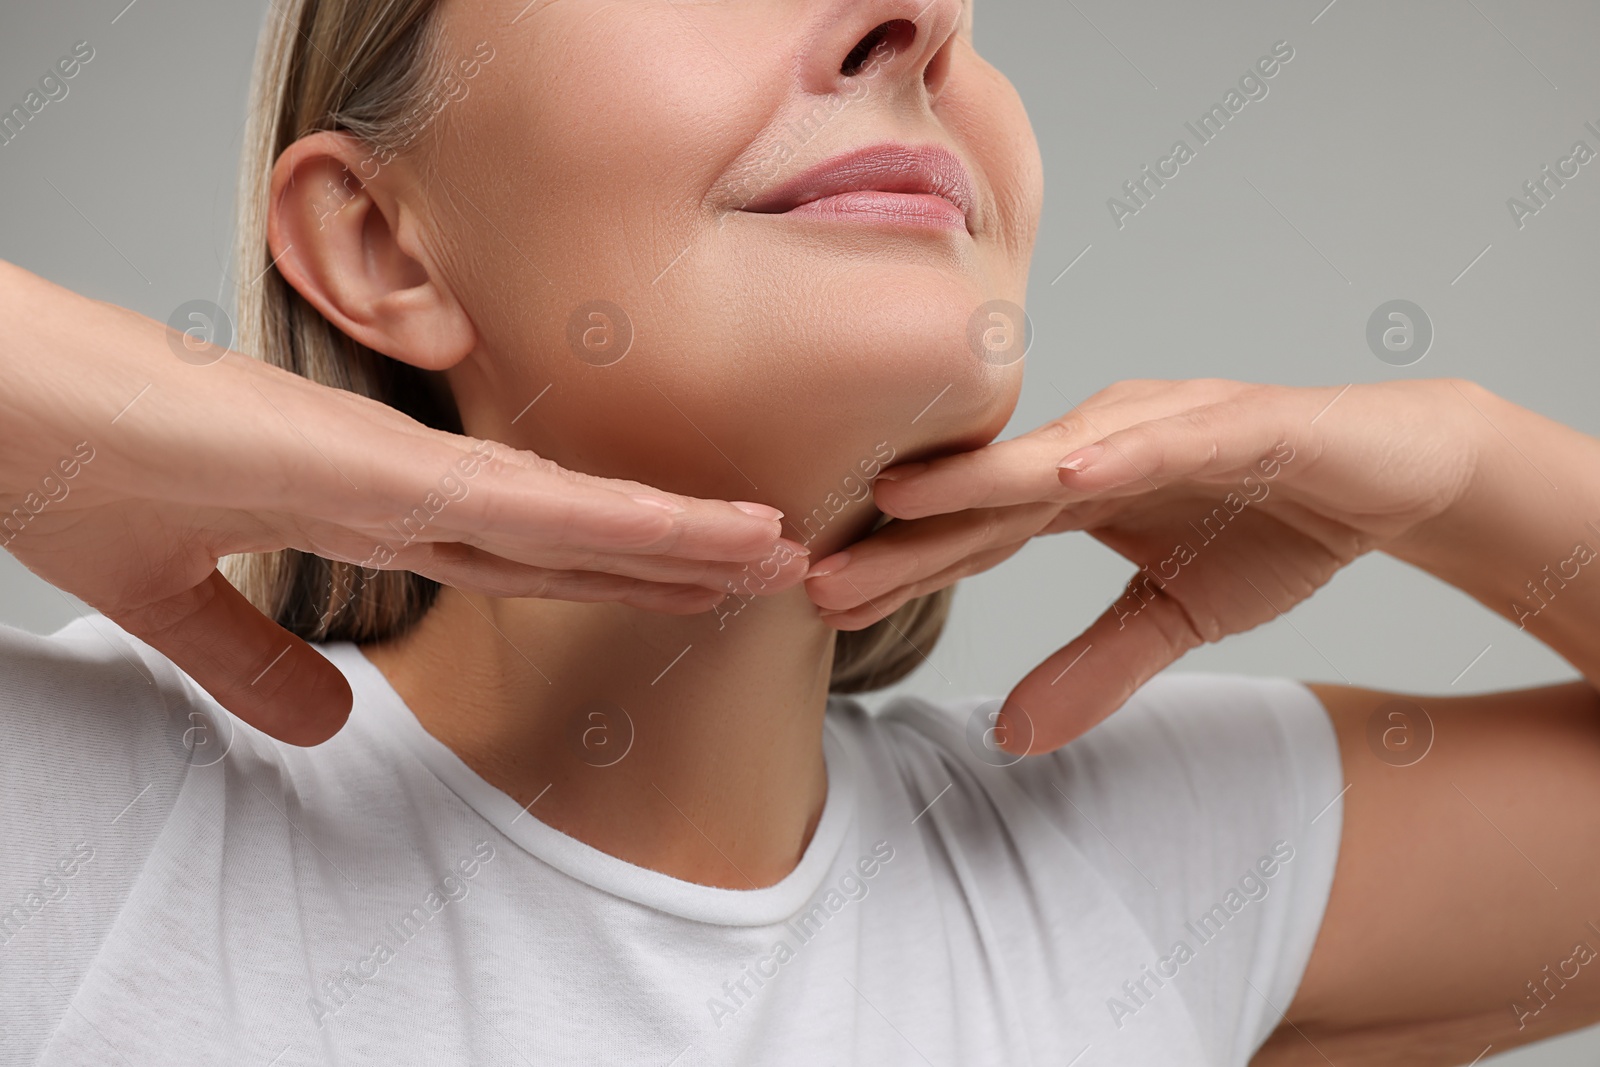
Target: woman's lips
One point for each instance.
(873, 204)
(926, 185)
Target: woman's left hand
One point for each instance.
(1236, 500)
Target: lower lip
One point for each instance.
(913, 209)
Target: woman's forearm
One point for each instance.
(80, 377)
(1524, 538)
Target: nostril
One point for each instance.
(858, 55)
(885, 40)
(937, 71)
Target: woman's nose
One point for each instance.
(901, 41)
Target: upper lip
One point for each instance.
(885, 168)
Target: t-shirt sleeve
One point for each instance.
(1214, 803)
(91, 761)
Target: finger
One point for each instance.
(355, 459)
(467, 567)
(1149, 627)
(1092, 676)
(790, 556)
(1260, 574)
(509, 502)
(577, 586)
(380, 466)
(265, 675)
(1084, 515)
(1255, 433)
(1022, 469)
(1016, 471)
(903, 553)
(879, 608)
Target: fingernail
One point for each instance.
(905, 470)
(833, 563)
(659, 502)
(760, 511)
(1083, 457)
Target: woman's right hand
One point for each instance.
(126, 473)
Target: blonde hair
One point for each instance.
(369, 67)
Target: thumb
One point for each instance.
(253, 667)
(1095, 673)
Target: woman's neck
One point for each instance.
(687, 744)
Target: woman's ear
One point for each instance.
(353, 249)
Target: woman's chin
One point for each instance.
(758, 397)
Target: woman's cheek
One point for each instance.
(986, 114)
(588, 145)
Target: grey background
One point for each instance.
(1377, 167)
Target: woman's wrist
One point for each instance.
(1522, 536)
(40, 380)
(68, 366)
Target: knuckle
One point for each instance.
(161, 616)
(1124, 389)
(1180, 628)
(1215, 386)
(1067, 425)
(991, 529)
(1468, 388)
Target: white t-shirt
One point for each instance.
(179, 888)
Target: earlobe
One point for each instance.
(352, 249)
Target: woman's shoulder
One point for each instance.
(1219, 761)
(1207, 799)
(90, 706)
(93, 695)
(1185, 714)
(90, 667)
(92, 766)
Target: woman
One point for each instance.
(601, 794)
